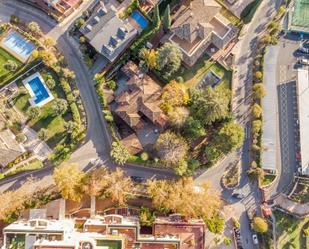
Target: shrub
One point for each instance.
(111, 84)
(259, 74)
(75, 114)
(50, 82)
(20, 138)
(10, 66)
(259, 225)
(144, 156)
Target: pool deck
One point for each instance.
(33, 96)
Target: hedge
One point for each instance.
(75, 114)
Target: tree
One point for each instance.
(258, 90)
(35, 54)
(210, 104)
(257, 110)
(10, 65)
(173, 94)
(68, 179)
(156, 16)
(171, 148)
(169, 59)
(259, 225)
(259, 75)
(95, 182)
(148, 59)
(215, 224)
(167, 21)
(194, 129)
(59, 106)
(178, 116)
(50, 82)
(306, 232)
(48, 58)
(70, 127)
(120, 187)
(181, 168)
(99, 78)
(256, 126)
(67, 73)
(230, 136)
(34, 28)
(144, 156)
(49, 42)
(146, 217)
(212, 154)
(255, 172)
(34, 112)
(119, 153)
(43, 134)
(182, 196)
(82, 39)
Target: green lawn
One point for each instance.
(192, 76)
(54, 124)
(289, 231)
(110, 244)
(5, 74)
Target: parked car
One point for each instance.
(138, 179)
(304, 61)
(255, 239)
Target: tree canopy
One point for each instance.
(171, 148)
(194, 129)
(119, 153)
(258, 90)
(169, 59)
(259, 225)
(210, 104)
(148, 58)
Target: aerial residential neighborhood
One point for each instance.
(154, 124)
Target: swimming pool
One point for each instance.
(38, 91)
(140, 19)
(18, 45)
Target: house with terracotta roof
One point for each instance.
(198, 25)
(133, 144)
(57, 8)
(9, 148)
(140, 99)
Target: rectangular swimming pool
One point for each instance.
(18, 45)
(38, 91)
(140, 19)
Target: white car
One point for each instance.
(304, 61)
(255, 239)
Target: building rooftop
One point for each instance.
(106, 32)
(299, 16)
(303, 113)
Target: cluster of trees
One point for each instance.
(166, 59)
(72, 184)
(10, 66)
(197, 114)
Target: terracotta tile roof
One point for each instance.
(143, 97)
(133, 144)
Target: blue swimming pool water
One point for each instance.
(38, 89)
(140, 19)
(18, 44)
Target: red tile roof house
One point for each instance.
(138, 106)
(198, 25)
(59, 9)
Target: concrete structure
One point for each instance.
(107, 33)
(59, 9)
(102, 232)
(303, 116)
(198, 24)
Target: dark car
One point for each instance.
(138, 179)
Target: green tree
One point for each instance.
(99, 78)
(49, 42)
(181, 168)
(257, 110)
(148, 59)
(43, 134)
(119, 153)
(50, 82)
(10, 65)
(210, 104)
(59, 106)
(259, 225)
(212, 154)
(215, 224)
(259, 75)
(34, 112)
(34, 27)
(156, 16)
(194, 129)
(258, 90)
(146, 217)
(169, 59)
(171, 148)
(167, 20)
(68, 179)
(256, 126)
(230, 136)
(70, 127)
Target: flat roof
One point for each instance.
(299, 16)
(270, 113)
(303, 113)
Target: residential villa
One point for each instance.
(107, 33)
(40, 229)
(57, 8)
(198, 25)
(9, 148)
